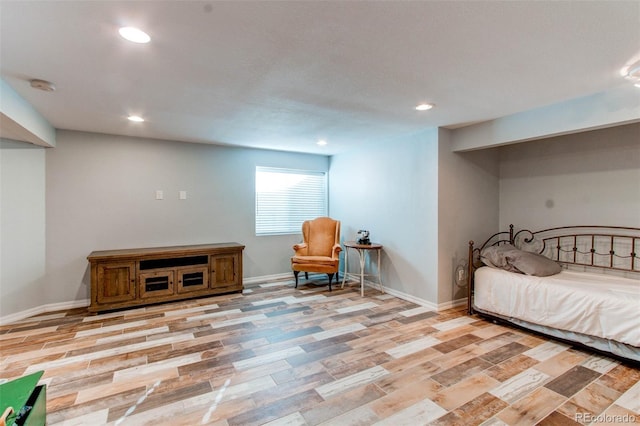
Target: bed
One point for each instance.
(578, 284)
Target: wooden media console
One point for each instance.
(135, 277)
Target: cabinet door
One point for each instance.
(225, 270)
(156, 283)
(116, 282)
(193, 279)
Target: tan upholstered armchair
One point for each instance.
(319, 250)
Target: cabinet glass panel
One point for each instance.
(154, 284)
(193, 279)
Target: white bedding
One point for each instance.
(593, 304)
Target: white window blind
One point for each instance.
(286, 198)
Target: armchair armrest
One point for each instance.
(300, 249)
(335, 251)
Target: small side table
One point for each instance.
(361, 249)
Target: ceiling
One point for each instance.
(282, 75)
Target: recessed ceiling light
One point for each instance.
(135, 118)
(134, 34)
(322, 142)
(424, 107)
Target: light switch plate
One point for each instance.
(183, 195)
(159, 194)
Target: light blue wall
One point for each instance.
(22, 226)
(22, 120)
(423, 202)
(615, 107)
(391, 189)
(418, 197)
(101, 195)
(468, 203)
(588, 178)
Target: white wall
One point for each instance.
(588, 178)
(391, 190)
(423, 202)
(20, 121)
(22, 226)
(467, 209)
(615, 107)
(101, 195)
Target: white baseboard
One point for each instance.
(18, 316)
(255, 281)
(287, 276)
(250, 282)
(422, 302)
(51, 307)
(452, 304)
(408, 297)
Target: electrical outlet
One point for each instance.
(159, 194)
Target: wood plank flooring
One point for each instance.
(276, 355)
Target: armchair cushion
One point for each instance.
(319, 260)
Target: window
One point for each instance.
(286, 198)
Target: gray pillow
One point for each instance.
(532, 263)
(495, 256)
(511, 259)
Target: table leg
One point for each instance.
(346, 264)
(361, 253)
(380, 272)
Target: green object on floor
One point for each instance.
(23, 393)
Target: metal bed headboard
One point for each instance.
(590, 246)
(608, 247)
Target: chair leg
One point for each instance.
(295, 274)
(330, 279)
(306, 275)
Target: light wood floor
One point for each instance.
(280, 356)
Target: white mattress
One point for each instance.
(593, 304)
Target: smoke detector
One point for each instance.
(46, 86)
